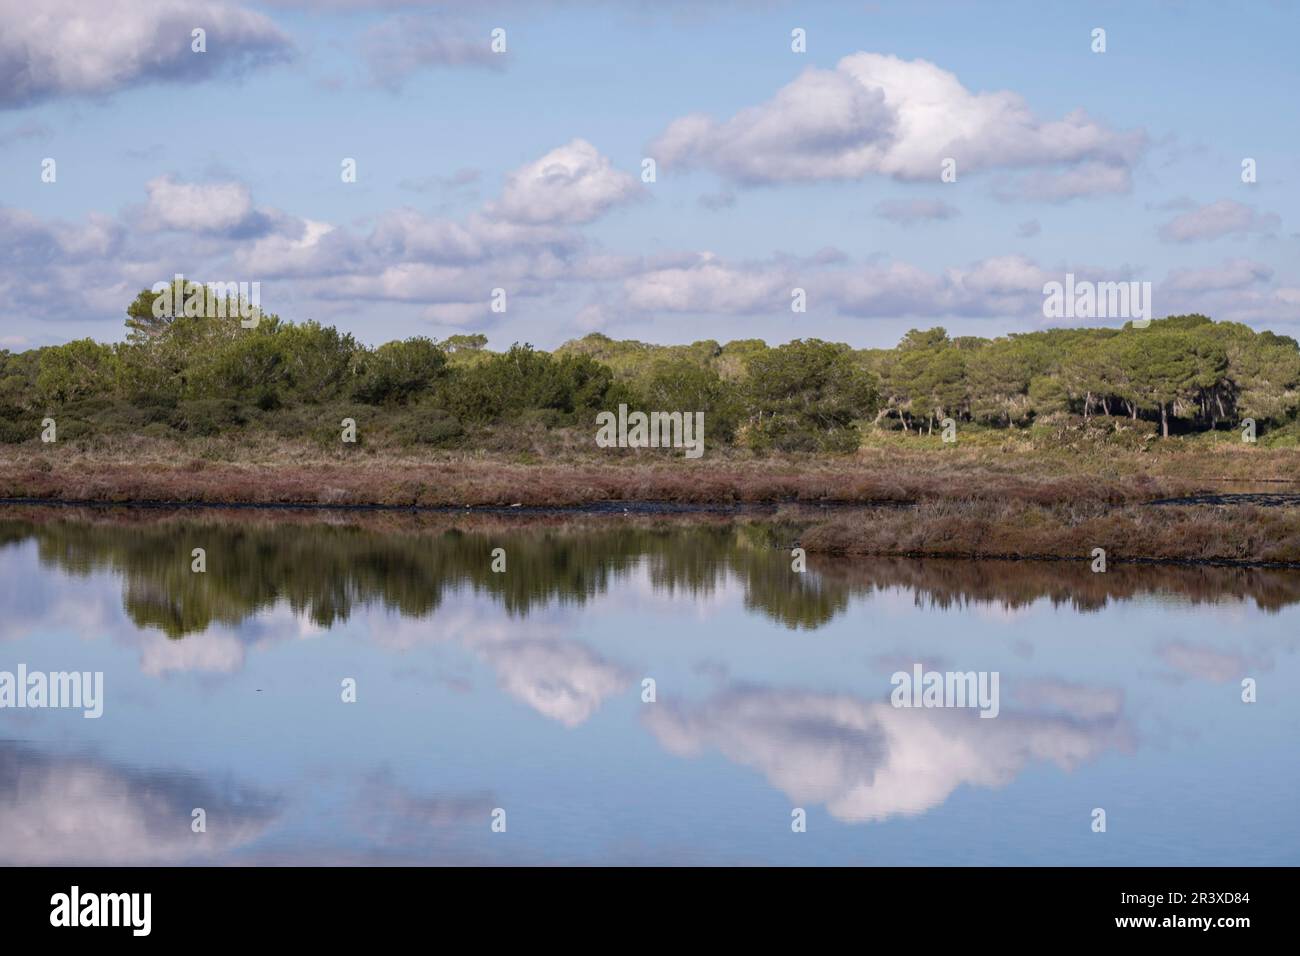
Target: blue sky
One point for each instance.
(522, 170)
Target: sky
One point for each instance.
(524, 169)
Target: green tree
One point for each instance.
(807, 395)
(1264, 373)
(464, 343)
(397, 372)
(681, 384)
(1160, 368)
(80, 369)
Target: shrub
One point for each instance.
(209, 416)
(428, 426)
(396, 372)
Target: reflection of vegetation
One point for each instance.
(323, 570)
(1014, 584)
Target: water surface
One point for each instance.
(523, 691)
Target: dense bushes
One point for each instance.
(505, 385)
(807, 396)
(196, 376)
(398, 372)
(1184, 367)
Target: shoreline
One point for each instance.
(976, 504)
(827, 530)
(614, 507)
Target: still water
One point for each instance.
(519, 697)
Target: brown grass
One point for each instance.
(1015, 529)
(990, 500)
(214, 472)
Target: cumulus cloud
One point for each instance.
(312, 248)
(709, 285)
(1092, 178)
(573, 183)
(1217, 219)
(444, 268)
(217, 208)
(881, 115)
(528, 240)
(905, 212)
(77, 264)
(997, 285)
(1232, 274)
(25, 238)
(395, 49)
(68, 47)
(1003, 285)
(525, 240)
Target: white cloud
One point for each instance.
(1231, 274)
(198, 207)
(573, 183)
(708, 285)
(307, 251)
(992, 286)
(880, 115)
(1217, 219)
(397, 48)
(442, 270)
(70, 47)
(1093, 178)
(78, 265)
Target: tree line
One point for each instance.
(198, 375)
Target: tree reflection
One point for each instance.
(324, 568)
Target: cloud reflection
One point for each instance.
(868, 761)
(82, 809)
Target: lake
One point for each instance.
(505, 717)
